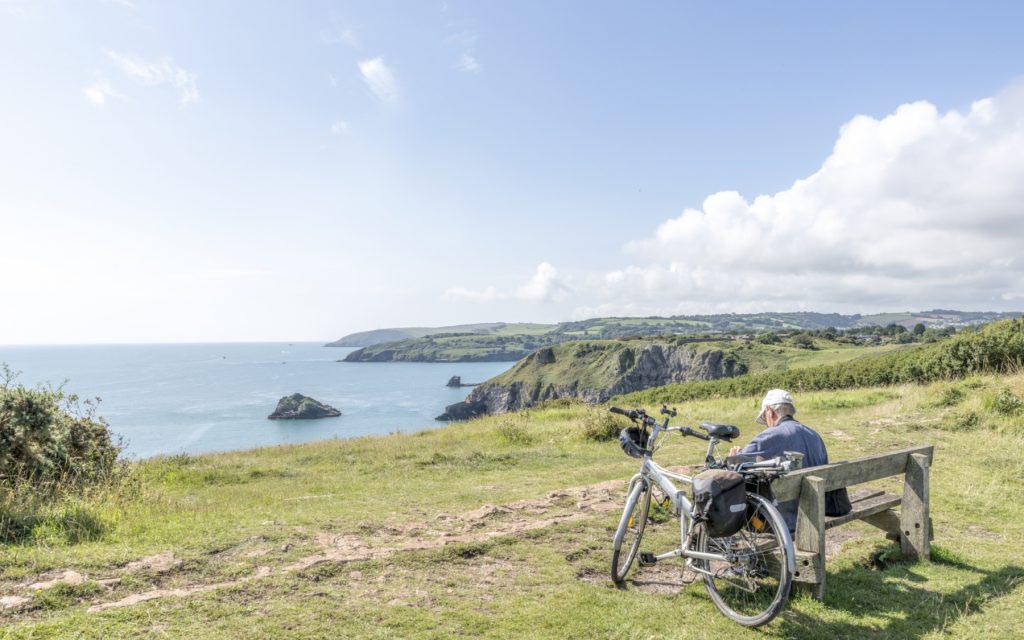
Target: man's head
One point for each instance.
(777, 404)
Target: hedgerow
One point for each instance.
(996, 347)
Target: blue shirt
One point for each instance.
(789, 435)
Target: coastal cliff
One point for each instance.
(594, 371)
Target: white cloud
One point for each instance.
(467, 63)
(916, 209)
(99, 92)
(339, 127)
(162, 71)
(379, 78)
(544, 286)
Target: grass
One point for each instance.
(224, 515)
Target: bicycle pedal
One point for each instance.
(647, 559)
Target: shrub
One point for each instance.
(513, 429)
(60, 479)
(964, 421)
(945, 395)
(1004, 402)
(599, 425)
(49, 438)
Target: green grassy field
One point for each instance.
(780, 357)
(390, 536)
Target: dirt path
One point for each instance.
(479, 525)
(484, 523)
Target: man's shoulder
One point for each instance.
(795, 429)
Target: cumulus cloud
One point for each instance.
(544, 286)
(162, 71)
(915, 209)
(99, 92)
(379, 78)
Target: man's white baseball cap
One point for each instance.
(772, 398)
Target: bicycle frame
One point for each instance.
(652, 472)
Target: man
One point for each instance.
(783, 434)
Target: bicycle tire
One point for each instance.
(633, 521)
(784, 565)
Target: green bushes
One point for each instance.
(56, 458)
(47, 438)
(513, 429)
(996, 347)
(1004, 402)
(599, 425)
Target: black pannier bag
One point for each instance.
(720, 496)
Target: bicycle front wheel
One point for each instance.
(631, 529)
(753, 585)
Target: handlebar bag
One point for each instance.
(720, 496)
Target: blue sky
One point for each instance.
(243, 171)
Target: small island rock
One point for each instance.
(300, 407)
(454, 381)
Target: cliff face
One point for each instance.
(594, 372)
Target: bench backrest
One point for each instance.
(849, 472)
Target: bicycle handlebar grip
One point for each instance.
(690, 432)
(621, 412)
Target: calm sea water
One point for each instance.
(197, 398)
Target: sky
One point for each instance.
(240, 171)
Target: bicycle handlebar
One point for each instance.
(687, 431)
(634, 414)
(622, 412)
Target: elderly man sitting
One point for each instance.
(783, 434)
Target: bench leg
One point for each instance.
(810, 529)
(915, 522)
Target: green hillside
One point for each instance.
(377, 336)
(995, 347)
(509, 342)
(506, 533)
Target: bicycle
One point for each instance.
(749, 572)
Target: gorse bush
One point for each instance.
(60, 478)
(47, 437)
(995, 348)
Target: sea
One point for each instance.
(201, 398)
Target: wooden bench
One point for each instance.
(911, 525)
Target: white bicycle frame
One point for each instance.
(663, 478)
(654, 474)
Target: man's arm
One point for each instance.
(759, 446)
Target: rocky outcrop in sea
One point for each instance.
(300, 407)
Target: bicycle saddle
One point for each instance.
(721, 431)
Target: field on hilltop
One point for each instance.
(499, 342)
(501, 527)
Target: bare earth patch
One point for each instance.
(479, 525)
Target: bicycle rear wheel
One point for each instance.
(753, 586)
(626, 543)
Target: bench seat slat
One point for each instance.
(864, 507)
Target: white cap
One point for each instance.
(772, 398)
